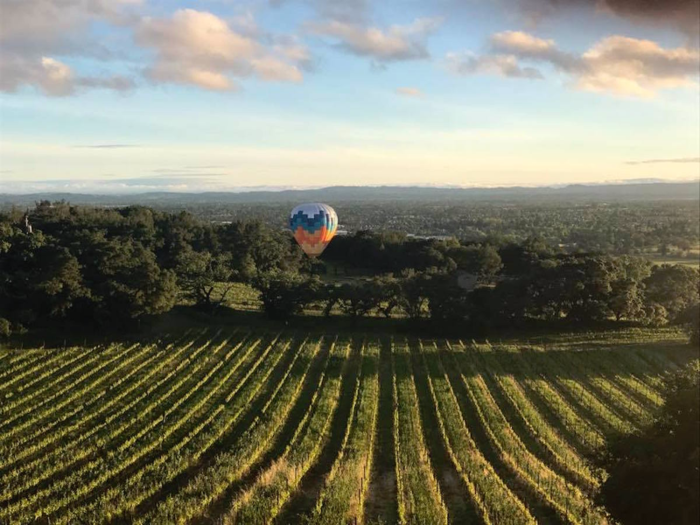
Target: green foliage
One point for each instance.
(654, 475)
(690, 317)
(482, 260)
(5, 327)
(675, 287)
(284, 294)
(128, 283)
(199, 275)
(655, 315)
(256, 248)
(39, 278)
(414, 294)
(388, 291)
(121, 264)
(591, 289)
(447, 302)
(357, 300)
(626, 294)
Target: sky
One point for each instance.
(117, 96)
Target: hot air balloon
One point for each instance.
(313, 226)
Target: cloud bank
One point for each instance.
(34, 32)
(683, 15)
(189, 47)
(199, 48)
(616, 64)
(45, 44)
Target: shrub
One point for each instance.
(5, 327)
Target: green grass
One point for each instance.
(242, 297)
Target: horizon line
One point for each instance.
(277, 189)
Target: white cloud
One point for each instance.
(36, 23)
(467, 63)
(524, 42)
(199, 48)
(38, 38)
(406, 42)
(629, 66)
(275, 70)
(291, 48)
(33, 33)
(57, 77)
(526, 46)
(410, 92)
(49, 75)
(680, 160)
(618, 65)
(52, 76)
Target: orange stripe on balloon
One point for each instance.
(302, 235)
(314, 243)
(329, 234)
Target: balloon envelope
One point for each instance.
(313, 226)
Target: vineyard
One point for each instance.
(236, 426)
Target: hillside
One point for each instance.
(239, 426)
(581, 193)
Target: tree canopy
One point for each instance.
(654, 474)
(120, 265)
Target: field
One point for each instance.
(685, 261)
(236, 426)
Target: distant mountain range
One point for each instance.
(577, 192)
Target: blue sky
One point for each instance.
(133, 95)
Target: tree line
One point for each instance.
(629, 228)
(119, 265)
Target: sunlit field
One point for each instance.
(236, 426)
